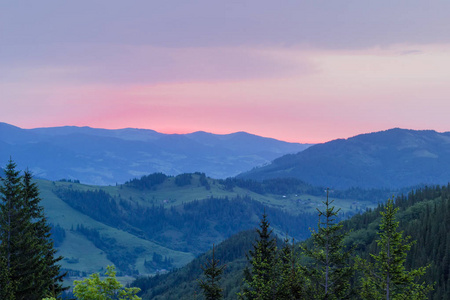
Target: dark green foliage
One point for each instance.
(260, 277)
(291, 280)
(26, 247)
(147, 182)
(6, 285)
(158, 262)
(183, 179)
(331, 270)
(277, 186)
(387, 277)
(201, 223)
(284, 186)
(424, 216)
(100, 205)
(58, 234)
(203, 180)
(213, 271)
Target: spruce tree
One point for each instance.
(290, 276)
(50, 279)
(11, 226)
(387, 277)
(26, 247)
(331, 271)
(213, 272)
(260, 278)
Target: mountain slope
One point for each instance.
(393, 158)
(80, 253)
(102, 157)
(160, 222)
(424, 215)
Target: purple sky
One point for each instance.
(304, 71)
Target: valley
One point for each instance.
(154, 223)
(172, 218)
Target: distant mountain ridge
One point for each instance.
(103, 156)
(392, 158)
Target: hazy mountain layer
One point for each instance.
(393, 158)
(101, 156)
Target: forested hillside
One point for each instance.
(387, 159)
(424, 215)
(159, 222)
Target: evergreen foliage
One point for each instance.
(26, 247)
(331, 270)
(148, 181)
(387, 278)
(6, 285)
(58, 234)
(424, 215)
(291, 283)
(260, 278)
(212, 270)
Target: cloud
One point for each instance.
(344, 24)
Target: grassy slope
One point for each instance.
(92, 259)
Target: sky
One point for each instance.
(299, 71)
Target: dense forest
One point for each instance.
(423, 215)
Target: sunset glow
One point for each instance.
(300, 90)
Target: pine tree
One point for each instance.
(331, 271)
(213, 272)
(387, 277)
(26, 247)
(260, 279)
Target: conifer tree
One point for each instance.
(213, 272)
(260, 278)
(290, 276)
(26, 247)
(331, 271)
(50, 279)
(387, 277)
(10, 225)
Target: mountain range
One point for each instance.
(387, 159)
(106, 157)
